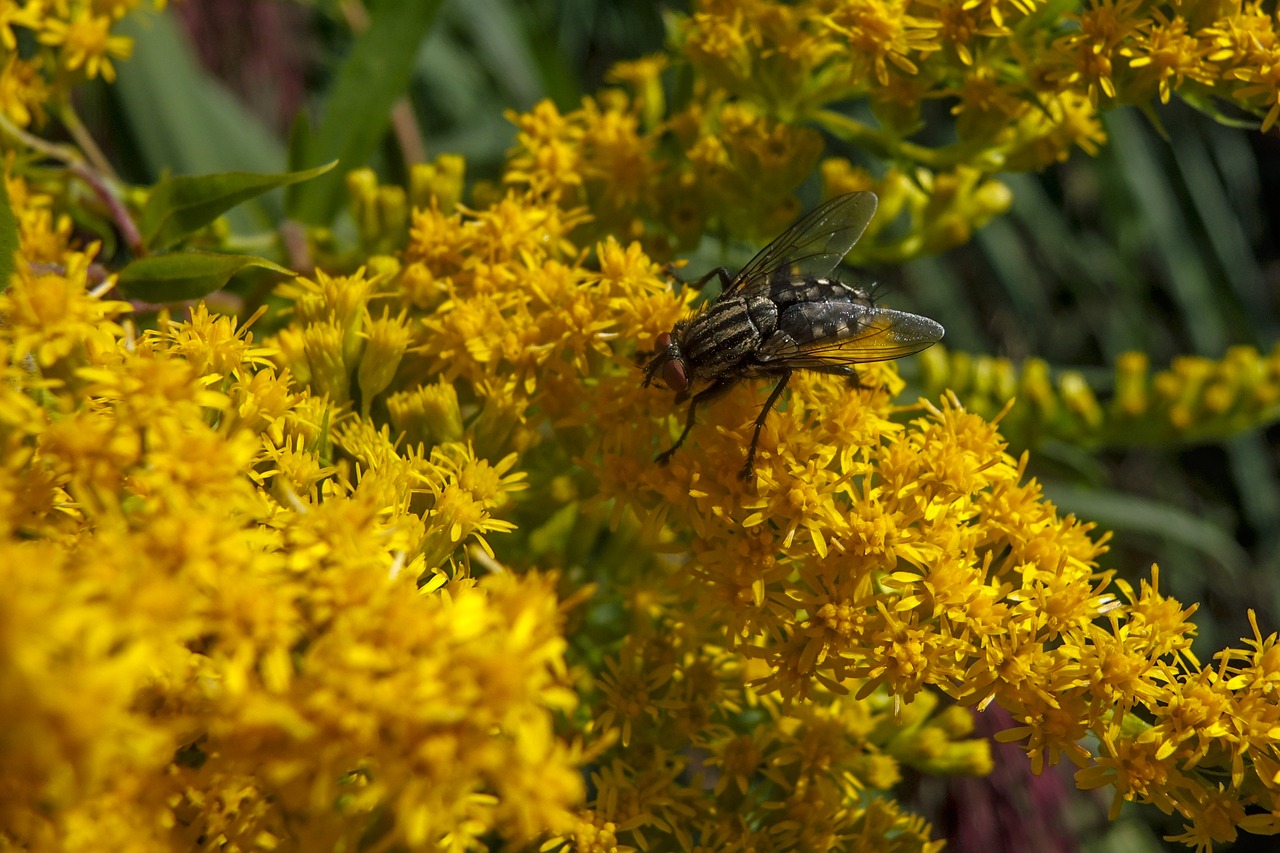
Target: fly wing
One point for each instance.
(821, 334)
(810, 248)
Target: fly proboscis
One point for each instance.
(783, 312)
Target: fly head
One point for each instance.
(669, 363)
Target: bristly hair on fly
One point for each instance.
(785, 312)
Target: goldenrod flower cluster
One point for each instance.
(225, 612)
(401, 572)
(1194, 399)
(73, 43)
(268, 600)
(935, 96)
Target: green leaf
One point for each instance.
(299, 141)
(181, 205)
(1204, 103)
(181, 276)
(8, 238)
(357, 114)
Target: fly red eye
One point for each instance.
(664, 341)
(673, 374)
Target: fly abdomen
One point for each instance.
(802, 290)
(807, 322)
(812, 321)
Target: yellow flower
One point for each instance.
(86, 42)
(213, 344)
(27, 16)
(1134, 769)
(463, 492)
(549, 159)
(53, 315)
(438, 184)
(23, 91)
(968, 27)
(428, 414)
(880, 33)
(1263, 78)
(386, 340)
(1171, 54)
(628, 685)
(288, 611)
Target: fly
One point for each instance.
(784, 312)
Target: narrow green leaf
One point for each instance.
(299, 142)
(1225, 213)
(1205, 103)
(1177, 255)
(1134, 514)
(178, 206)
(181, 276)
(357, 114)
(8, 238)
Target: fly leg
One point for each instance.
(722, 272)
(748, 472)
(850, 373)
(714, 390)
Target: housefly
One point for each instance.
(784, 312)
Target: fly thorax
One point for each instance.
(729, 331)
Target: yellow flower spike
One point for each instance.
(291, 349)
(387, 338)
(392, 215)
(1179, 389)
(362, 191)
(340, 301)
(916, 556)
(1131, 395)
(1079, 399)
(427, 415)
(438, 185)
(261, 400)
(329, 373)
(643, 77)
(1036, 387)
